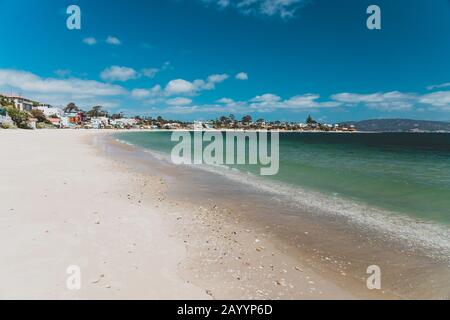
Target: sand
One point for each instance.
(63, 203)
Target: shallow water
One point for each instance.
(412, 253)
(407, 174)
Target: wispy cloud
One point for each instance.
(180, 101)
(388, 101)
(150, 72)
(117, 73)
(284, 9)
(182, 87)
(90, 41)
(59, 91)
(113, 41)
(395, 100)
(269, 102)
(242, 76)
(439, 99)
(439, 86)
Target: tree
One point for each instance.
(39, 115)
(224, 120)
(116, 116)
(160, 120)
(4, 101)
(20, 118)
(71, 107)
(310, 120)
(246, 119)
(96, 112)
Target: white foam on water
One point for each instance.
(414, 233)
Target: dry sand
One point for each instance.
(62, 203)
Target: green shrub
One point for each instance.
(20, 118)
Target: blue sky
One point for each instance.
(198, 59)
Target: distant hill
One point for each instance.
(400, 125)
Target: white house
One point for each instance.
(49, 111)
(201, 126)
(98, 123)
(21, 103)
(124, 122)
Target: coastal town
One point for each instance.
(23, 113)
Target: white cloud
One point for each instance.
(59, 91)
(242, 76)
(284, 9)
(269, 102)
(263, 103)
(195, 109)
(308, 101)
(90, 41)
(217, 78)
(440, 99)
(150, 72)
(226, 101)
(113, 41)
(117, 73)
(180, 101)
(389, 101)
(144, 93)
(140, 93)
(395, 100)
(180, 86)
(439, 86)
(266, 98)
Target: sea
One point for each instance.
(397, 183)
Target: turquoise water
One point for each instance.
(408, 174)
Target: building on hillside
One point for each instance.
(5, 118)
(49, 111)
(55, 121)
(71, 119)
(172, 126)
(99, 123)
(20, 103)
(201, 126)
(124, 123)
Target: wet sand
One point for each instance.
(330, 248)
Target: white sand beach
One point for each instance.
(62, 203)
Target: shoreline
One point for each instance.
(230, 257)
(143, 229)
(346, 245)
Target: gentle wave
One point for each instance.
(410, 231)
